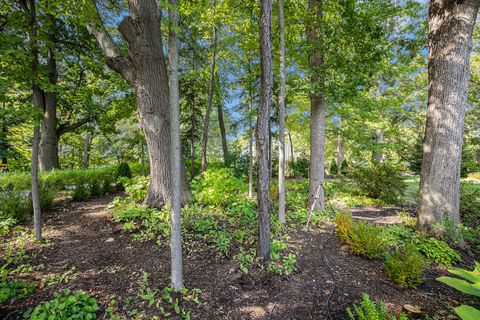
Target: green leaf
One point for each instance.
(460, 285)
(467, 312)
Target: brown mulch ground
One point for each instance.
(109, 263)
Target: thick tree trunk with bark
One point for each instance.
(250, 157)
(317, 114)
(176, 224)
(146, 70)
(49, 139)
(262, 130)
(450, 39)
(281, 119)
(211, 91)
(87, 143)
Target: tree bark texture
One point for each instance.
(281, 119)
(450, 26)
(317, 113)
(176, 223)
(87, 143)
(38, 101)
(145, 69)
(262, 129)
(49, 139)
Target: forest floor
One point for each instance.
(107, 263)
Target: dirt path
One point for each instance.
(109, 263)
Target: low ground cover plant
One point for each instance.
(370, 310)
(65, 305)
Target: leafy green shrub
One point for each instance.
(136, 188)
(366, 239)
(124, 170)
(381, 181)
(218, 187)
(107, 185)
(14, 205)
(469, 284)
(436, 250)
(55, 179)
(344, 168)
(65, 305)
(299, 168)
(333, 168)
(343, 222)
(95, 188)
(405, 265)
(369, 310)
(46, 198)
(80, 193)
(470, 204)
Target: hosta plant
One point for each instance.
(469, 284)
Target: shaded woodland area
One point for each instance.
(239, 159)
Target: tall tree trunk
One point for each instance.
(192, 141)
(211, 91)
(223, 133)
(48, 141)
(38, 100)
(317, 119)
(262, 130)
(4, 145)
(340, 148)
(250, 154)
(292, 154)
(146, 70)
(379, 155)
(281, 119)
(450, 26)
(176, 224)
(87, 142)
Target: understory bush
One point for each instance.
(343, 222)
(136, 188)
(65, 305)
(436, 251)
(81, 193)
(14, 205)
(470, 204)
(123, 170)
(298, 168)
(218, 187)
(56, 179)
(15, 199)
(369, 310)
(366, 239)
(333, 168)
(405, 266)
(381, 181)
(468, 283)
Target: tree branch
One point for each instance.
(65, 127)
(115, 60)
